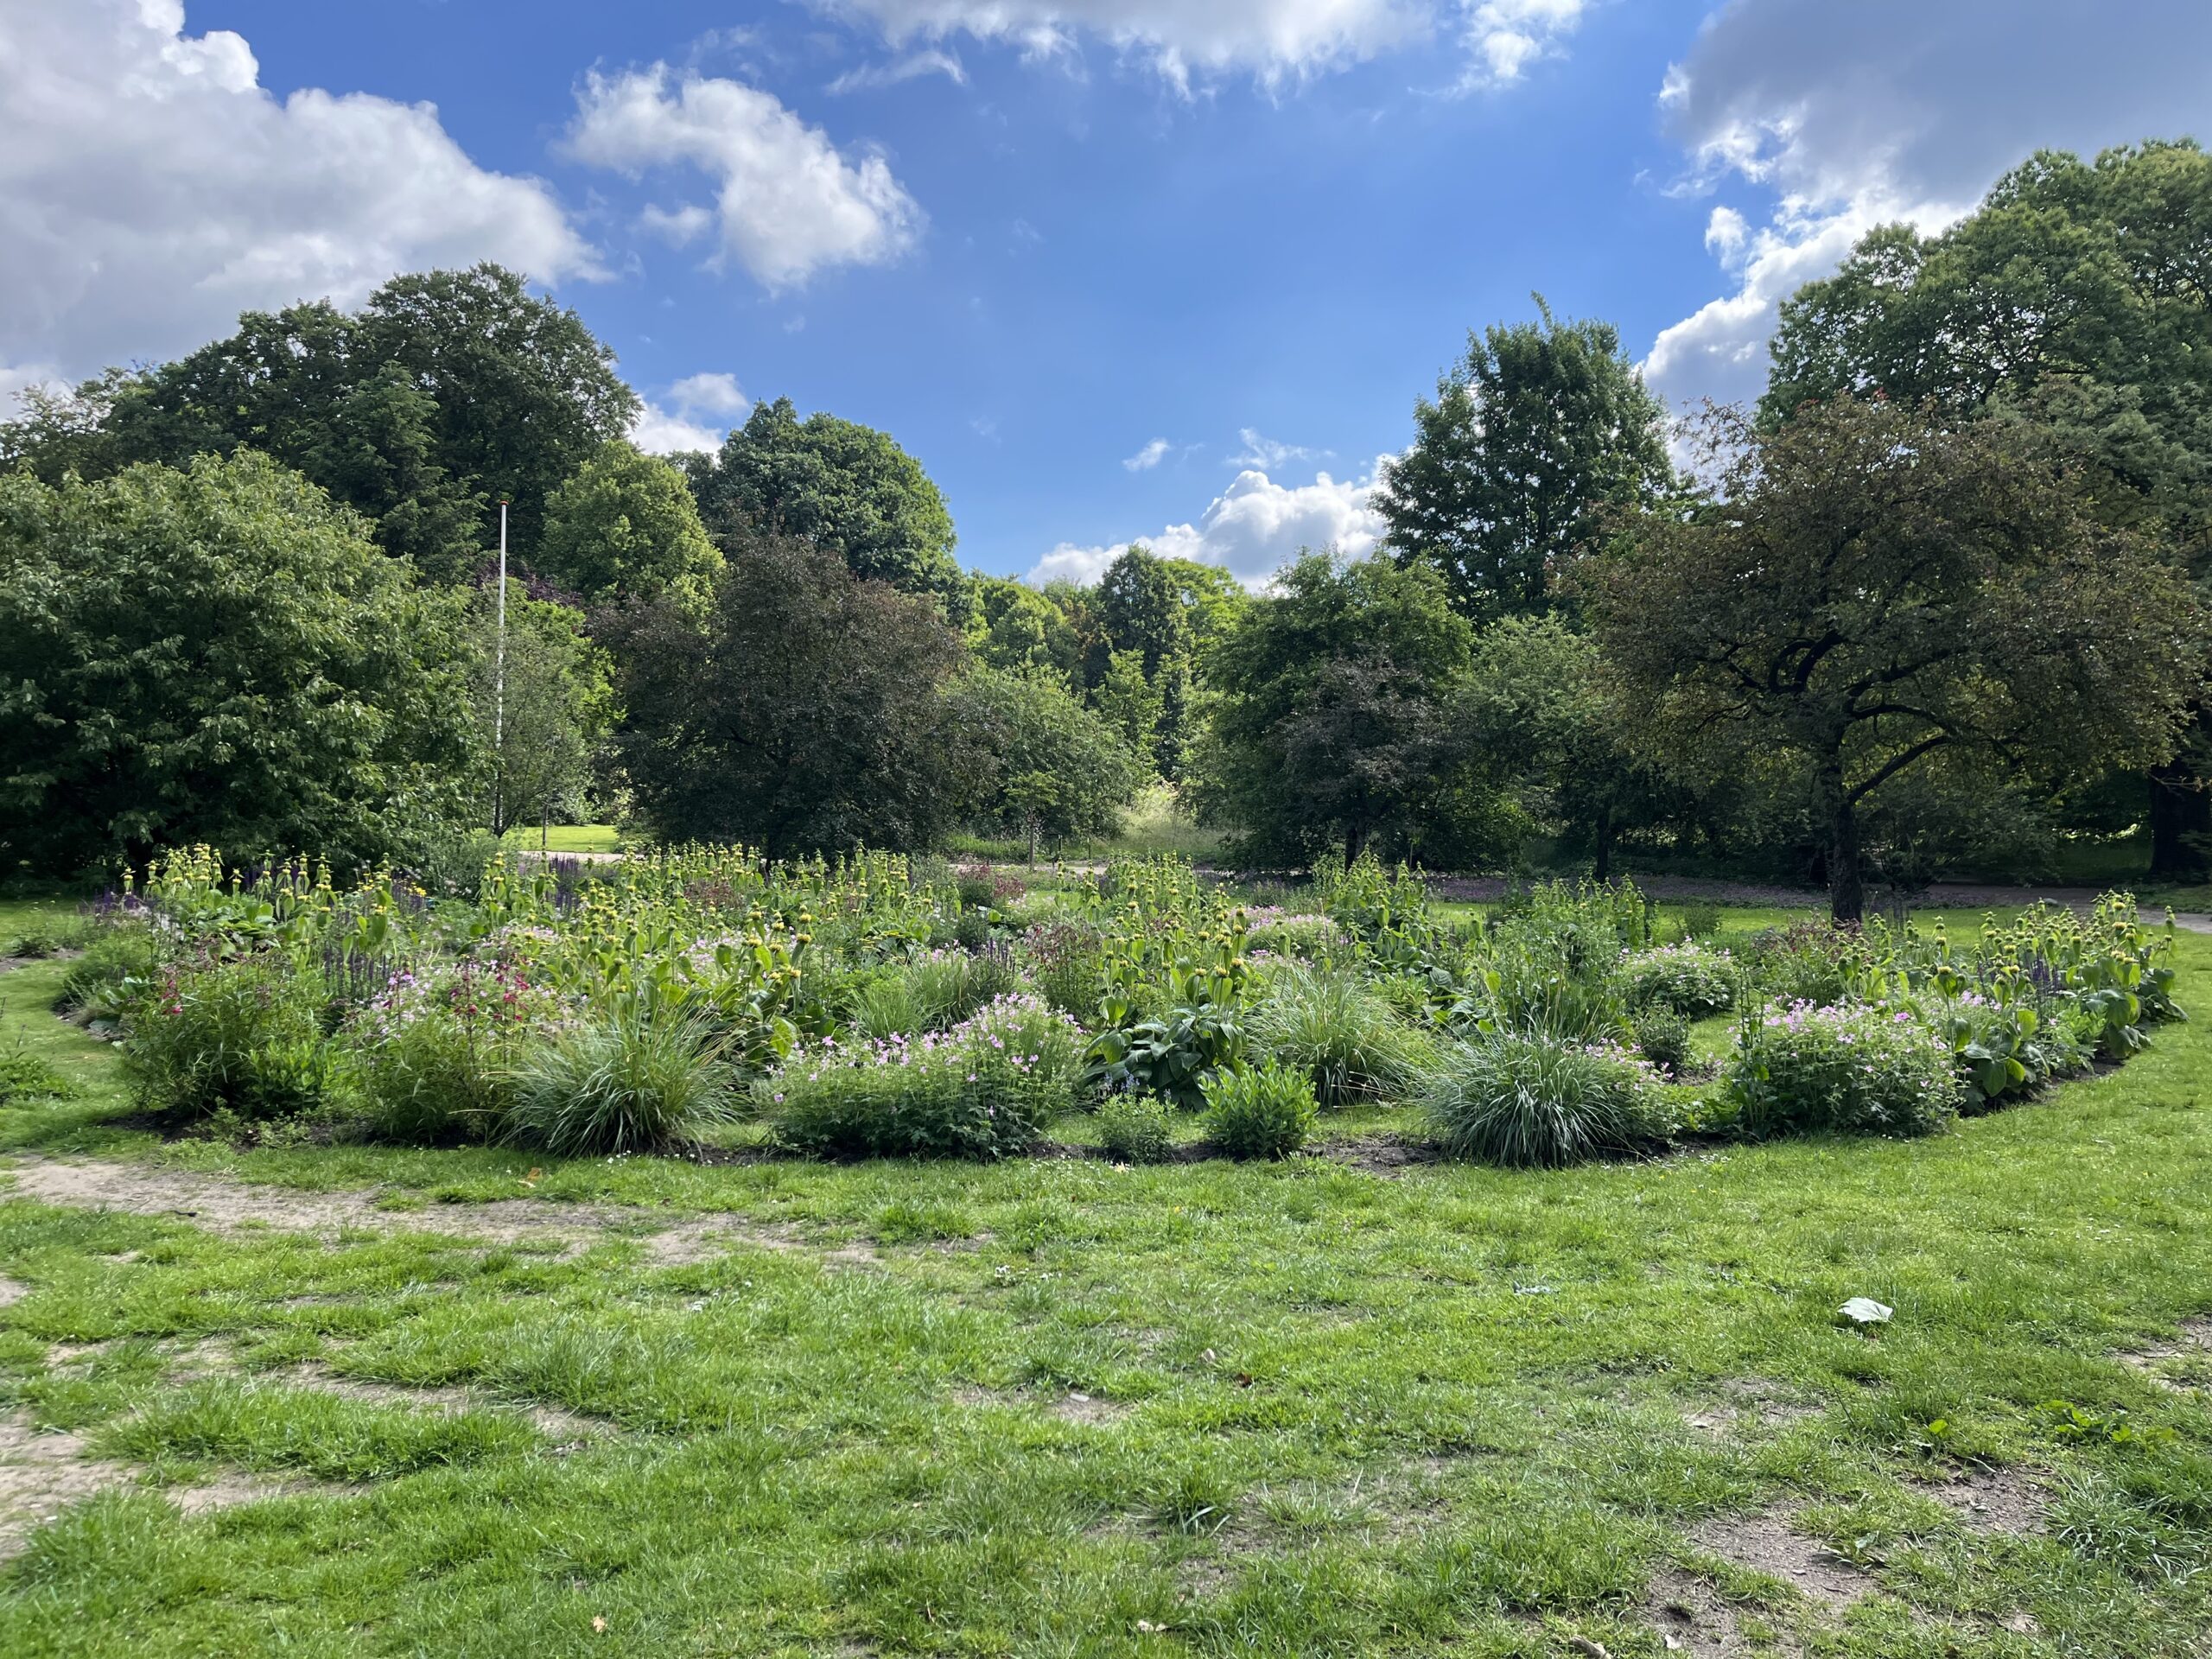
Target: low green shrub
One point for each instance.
(1536, 1102)
(1170, 1055)
(1663, 1037)
(1700, 921)
(1692, 980)
(435, 1056)
(948, 986)
(1134, 1129)
(985, 1089)
(244, 1035)
(25, 1076)
(626, 1082)
(32, 944)
(1853, 1069)
(1263, 1111)
(1066, 959)
(1529, 988)
(1814, 963)
(1335, 1026)
(97, 988)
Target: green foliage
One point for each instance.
(1663, 1037)
(243, 1036)
(25, 1076)
(948, 986)
(1014, 629)
(625, 525)
(806, 714)
(538, 739)
(1330, 713)
(98, 984)
(839, 485)
(447, 390)
(1690, 980)
(1067, 960)
(434, 1059)
(1170, 1054)
(1263, 1111)
(1337, 1028)
(1535, 1102)
(631, 1082)
(1853, 1069)
(985, 1089)
(1134, 1129)
(1539, 433)
(1960, 599)
(1052, 770)
(215, 655)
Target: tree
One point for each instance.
(1874, 587)
(216, 654)
(1129, 703)
(1536, 435)
(2077, 296)
(804, 713)
(540, 723)
(835, 483)
(445, 392)
(1329, 720)
(1142, 610)
(626, 523)
(1013, 627)
(1054, 769)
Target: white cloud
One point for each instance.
(658, 432)
(1148, 457)
(1845, 116)
(151, 189)
(678, 226)
(713, 394)
(1267, 454)
(788, 203)
(1271, 40)
(1505, 36)
(910, 67)
(1251, 529)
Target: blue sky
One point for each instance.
(1112, 268)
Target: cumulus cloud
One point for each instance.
(1271, 40)
(712, 394)
(658, 431)
(674, 427)
(151, 189)
(1251, 529)
(1841, 118)
(788, 204)
(1148, 457)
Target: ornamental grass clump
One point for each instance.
(632, 1080)
(986, 1089)
(1532, 1102)
(1334, 1025)
(1852, 1069)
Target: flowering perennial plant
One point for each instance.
(1852, 1069)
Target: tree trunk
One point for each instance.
(1034, 831)
(2181, 821)
(1846, 882)
(1604, 858)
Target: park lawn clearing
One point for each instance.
(359, 1400)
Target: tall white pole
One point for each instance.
(499, 686)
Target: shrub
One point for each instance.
(1855, 1070)
(244, 1036)
(1815, 962)
(1259, 1111)
(1337, 1029)
(1133, 1129)
(1690, 979)
(1067, 959)
(1531, 988)
(1535, 1102)
(99, 985)
(435, 1056)
(1170, 1054)
(1279, 933)
(1663, 1037)
(629, 1082)
(34, 945)
(985, 1089)
(1700, 920)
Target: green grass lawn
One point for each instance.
(1344, 1405)
(571, 838)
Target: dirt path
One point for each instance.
(223, 1204)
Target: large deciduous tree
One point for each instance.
(805, 713)
(626, 523)
(216, 654)
(1330, 715)
(1874, 587)
(837, 484)
(1535, 435)
(2079, 297)
(1052, 769)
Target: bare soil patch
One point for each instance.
(1691, 1616)
(42, 1472)
(224, 1204)
(1995, 1500)
(1765, 1543)
(1386, 1154)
